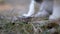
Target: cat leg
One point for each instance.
(56, 11)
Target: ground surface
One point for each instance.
(14, 6)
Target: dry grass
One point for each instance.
(22, 27)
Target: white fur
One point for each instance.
(31, 9)
(45, 8)
(56, 10)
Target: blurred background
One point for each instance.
(13, 7)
